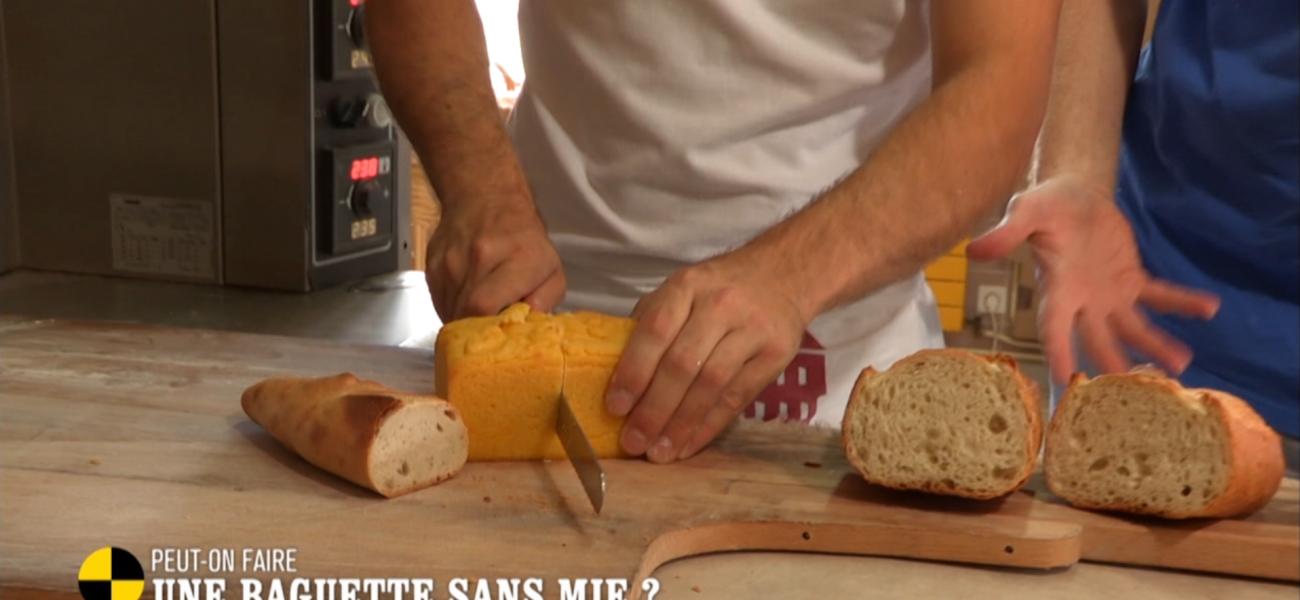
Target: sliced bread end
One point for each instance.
(1141, 443)
(419, 444)
(945, 421)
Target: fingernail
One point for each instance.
(619, 403)
(688, 451)
(662, 451)
(634, 441)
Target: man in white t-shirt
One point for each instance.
(758, 182)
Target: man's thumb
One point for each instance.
(1001, 240)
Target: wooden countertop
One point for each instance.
(133, 436)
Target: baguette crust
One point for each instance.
(1255, 466)
(1027, 392)
(334, 422)
(1256, 451)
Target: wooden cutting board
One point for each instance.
(133, 436)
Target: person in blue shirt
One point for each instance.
(1169, 228)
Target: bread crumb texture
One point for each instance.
(504, 374)
(420, 444)
(1142, 443)
(944, 421)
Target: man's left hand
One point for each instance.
(705, 344)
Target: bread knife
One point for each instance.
(581, 455)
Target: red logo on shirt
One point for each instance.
(794, 394)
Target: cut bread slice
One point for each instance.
(1139, 442)
(375, 437)
(945, 421)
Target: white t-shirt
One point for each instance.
(656, 134)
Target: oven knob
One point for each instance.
(364, 196)
(377, 113)
(348, 111)
(354, 111)
(356, 30)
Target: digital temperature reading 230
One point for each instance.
(364, 168)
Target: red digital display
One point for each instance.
(366, 167)
(355, 3)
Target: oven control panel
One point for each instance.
(355, 138)
(348, 55)
(360, 215)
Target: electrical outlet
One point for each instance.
(992, 300)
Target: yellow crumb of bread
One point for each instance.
(504, 374)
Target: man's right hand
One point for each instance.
(490, 249)
(489, 253)
(1092, 277)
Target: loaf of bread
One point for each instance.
(375, 437)
(945, 421)
(505, 373)
(1139, 442)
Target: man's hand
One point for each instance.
(705, 344)
(490, 249)
(1092, 277)
(488, 254)
(716, 333)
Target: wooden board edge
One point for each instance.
(1234, 554)
(1048, 545)
(1242, 548)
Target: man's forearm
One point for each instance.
(431, 62)
(948, 164)
(1096, 54)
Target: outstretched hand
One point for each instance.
(1093, 278)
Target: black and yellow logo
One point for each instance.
(111, 573)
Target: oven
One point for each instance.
(231, 142)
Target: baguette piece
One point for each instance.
(1142, 443)
(362, 431)
(504, 373)
(947, 422)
